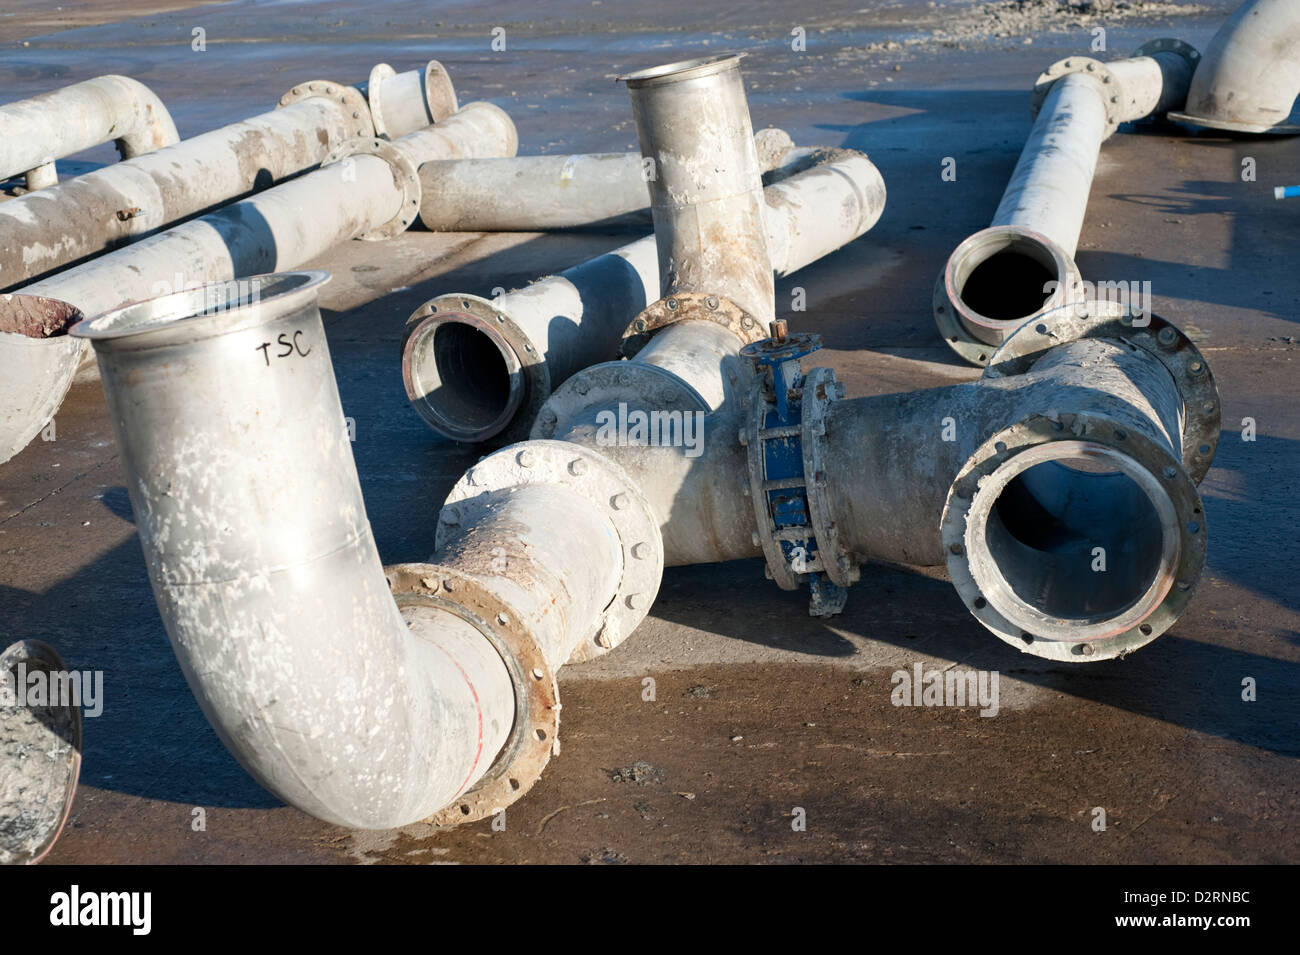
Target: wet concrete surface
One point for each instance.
(758, 709)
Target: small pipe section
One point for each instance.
(340, 702)
(1023, 264)
(706, 192)
(39, 130)
(545, 193)
(1250, 77)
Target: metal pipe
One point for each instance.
(475, 368)
(368, 696)
(544, 193)
(344, 704)
(35, 132)
(706, 195)
(368, 189)
(1060, 488)
(1023, 264)
(115, 205)
(401, 103)
(1250, 77)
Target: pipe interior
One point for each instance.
(467, 383)
(1010, 284)
(1048, 520)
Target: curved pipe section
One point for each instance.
(39, 362)
(1250, 77)
(1023, 264)
(372, 191)
(53, 125)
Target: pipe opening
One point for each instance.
(681, 70)
(202, 309)
(34, 316)
(1007, 280)
(1073, 535)
(464, 378)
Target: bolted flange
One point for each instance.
(603, 484)
(350, 97)
(1151, 333)
(688, 306)
(405, 174)
(1041, 439)
(534, 737)
(529, 374)
(1112, 91)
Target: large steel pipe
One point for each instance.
(544, 193)
(115, 205)
(1250, 77)
(344, 704)
(367, 696)
(35, 132)
(1023, 264)
(370, 190)
(1060, 488)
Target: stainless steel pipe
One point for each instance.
(109, 207)
(1023, 264)
(369, 697)
(35, 132)
(544, 193)
(370, 190)
(1250, 77)
(344, 704)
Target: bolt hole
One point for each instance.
(464, 810)
(514, 784)
(980, 603)
(1027, 637)
(540, 733)
(1146, 629)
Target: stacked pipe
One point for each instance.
(366, 188)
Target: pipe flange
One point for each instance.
(594, 478)
(819, 389)
(435, 83)
(535, 735)
(1155, 335)
(405, 175)
(609, 385)
(1094, 435)
(350, 97)
(1112, 91)
(1167, 44)
(951, 314)
(525, 363)
(688, 306)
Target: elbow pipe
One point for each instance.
(475, 368)
(1023, 264)
(110, 207)
(81, 116)
(1250, 77)
(1059, 489)
(367, 189)
(369, 697)
(544, 193)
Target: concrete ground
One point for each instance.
(758, 708)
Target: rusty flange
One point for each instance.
(350, 97)
(688, 306)
(405, 175)
(535, 735)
